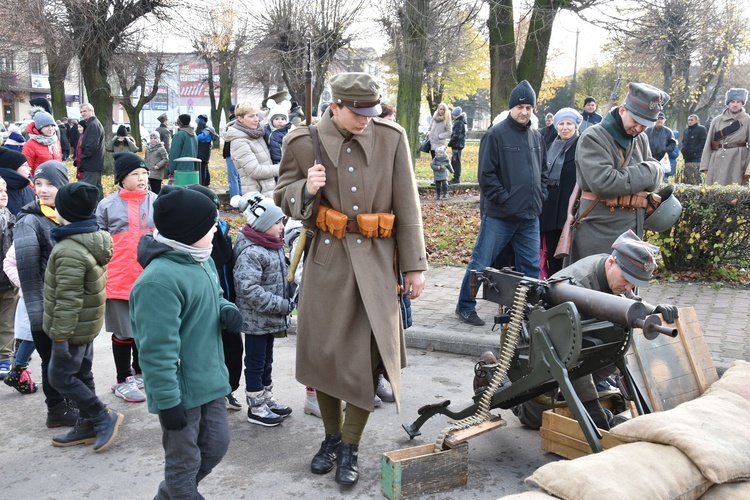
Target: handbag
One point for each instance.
(425, 146)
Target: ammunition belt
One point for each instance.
(628, 201)
(379, 225)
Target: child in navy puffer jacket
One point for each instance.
(277, 127)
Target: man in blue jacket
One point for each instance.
(513, 184)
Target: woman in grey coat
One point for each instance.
(157, 162)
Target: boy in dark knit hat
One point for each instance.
(264, 299)
(74, 312)
(15, 170)
(126, 215)
(177, 311)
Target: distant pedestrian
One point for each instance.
(440, 128)
(589, 114)
(122, 141)
(693, 140)
(91, 149)
(165, 136)
(726, 154)
(232, 176)
(43, 144)
(441, 165)
(184, 145)
(661, 141)
(15, 171)
(457, 142)
(62, 127)
(157, 162)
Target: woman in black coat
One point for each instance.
(561, 154)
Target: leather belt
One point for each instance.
(352, 226)
(733, 145)
(588, 195)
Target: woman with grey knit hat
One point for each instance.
(43, 144)
(157, 162)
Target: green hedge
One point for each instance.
(712, 233)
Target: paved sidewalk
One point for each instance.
(723, 312)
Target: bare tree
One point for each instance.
(220, 41)
(287, 24)
(139, 76)
(685, 46)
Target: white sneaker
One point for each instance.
(129, 392)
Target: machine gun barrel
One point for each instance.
(599, 305)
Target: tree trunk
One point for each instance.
(57, 72)
(502, 54)
(534, 57)
(99, 94)
(411, 69)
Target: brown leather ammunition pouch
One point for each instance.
(368, 225)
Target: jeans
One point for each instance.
(8, 301)
(70, 373)
(258, 361)
(192, 453)
(233, 177)
(494, 234)
(24, 352)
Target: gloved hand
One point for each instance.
(60, 349)
(174, 419)
(231, 319)
(668, 312)
(292, 305)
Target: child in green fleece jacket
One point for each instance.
(177, 310)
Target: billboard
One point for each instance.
(193, 79)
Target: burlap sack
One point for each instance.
(728, 491)
(631, 471)
(528, 495)
(736, 380)
(712, 430)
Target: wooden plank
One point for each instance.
(418, 471)
(671, 371)
(563, 436)
(454, 438)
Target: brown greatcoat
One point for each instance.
(348, 290)
(727, 166)
(599, 169)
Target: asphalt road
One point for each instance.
(261, 462)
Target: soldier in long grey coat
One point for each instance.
(614, 162)
(726, 154)
(349, 328)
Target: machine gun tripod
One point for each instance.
(548, 343)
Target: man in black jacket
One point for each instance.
(693, 140)
(91, 163)
(513, 183)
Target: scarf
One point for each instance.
(612, 123)
(153, 147)
(198, 254)
(556, 158)
(79, 227)
(254, 133)
(44, 139)
(262, 239)
(48, 212)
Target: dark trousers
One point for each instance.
(441, 187)
(205, 174)
(70, 373)
(258, 361)
(43, 346)
(233, 357)
(192, 453)
(95, 179)
(456, 163)
(155, 185)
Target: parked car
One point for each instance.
(3, 133)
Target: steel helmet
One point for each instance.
(666, 214)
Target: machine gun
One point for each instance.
(557, 332)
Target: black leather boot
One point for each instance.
(324, 459)
(347, 471)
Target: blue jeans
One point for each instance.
(24, 352)
(258, 361)
(192, 453)
(70, 373)
(233, 177)
(494, 234)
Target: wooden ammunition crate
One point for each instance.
(411, 472)
(563, 436)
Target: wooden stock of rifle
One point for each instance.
(566, 238)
